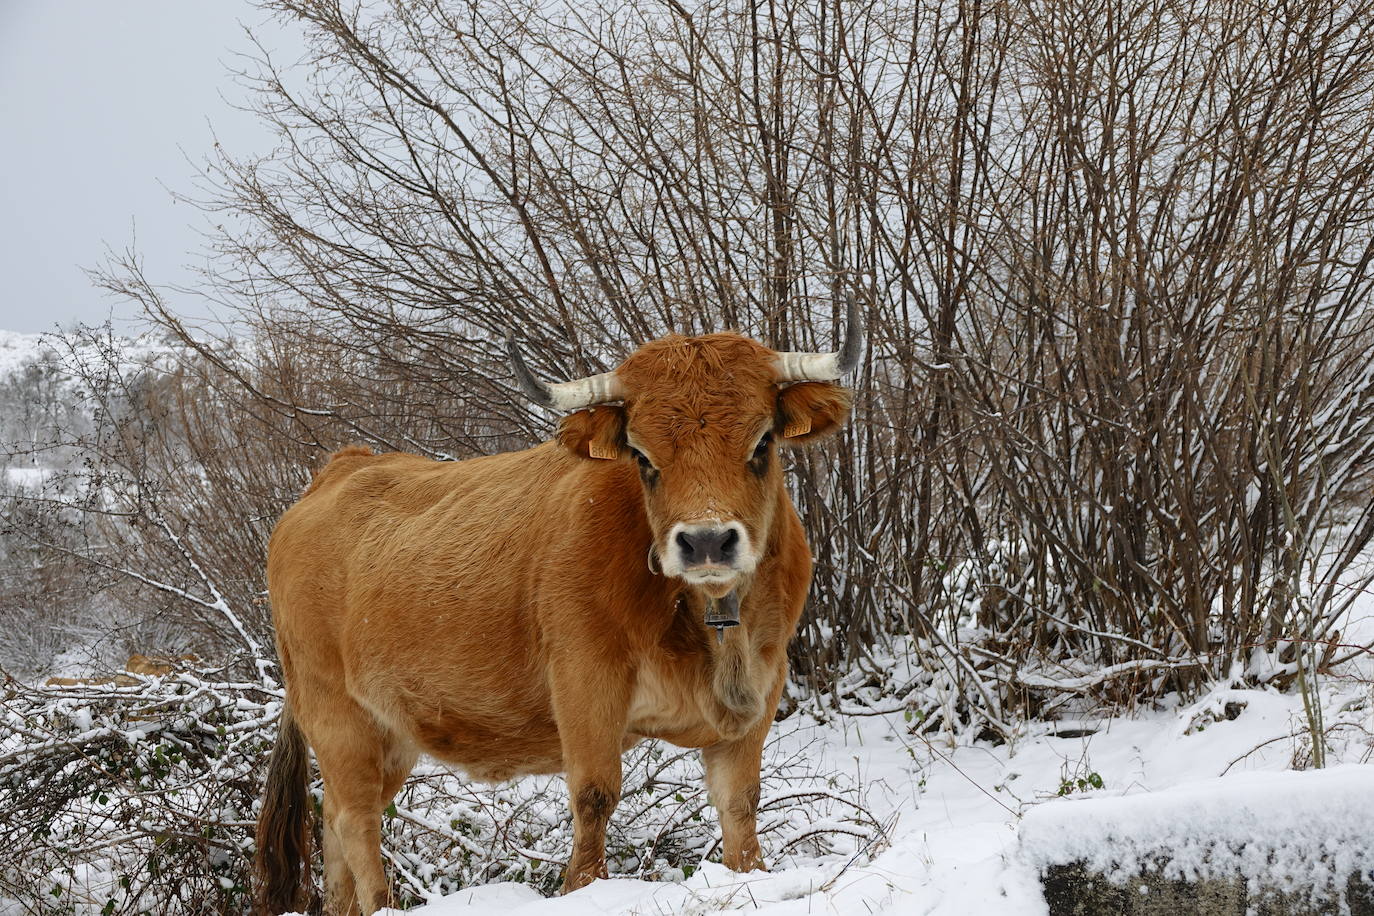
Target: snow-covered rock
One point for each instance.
(1291, 836)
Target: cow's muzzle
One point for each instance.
(703, 546)
(709, 554)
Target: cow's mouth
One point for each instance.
(714, 581)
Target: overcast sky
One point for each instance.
(101, 105)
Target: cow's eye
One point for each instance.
(762, 448)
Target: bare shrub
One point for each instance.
(141, 798)
(1117, 389)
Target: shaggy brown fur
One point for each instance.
(499, 613)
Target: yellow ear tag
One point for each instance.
(798, 427)
(604, 452)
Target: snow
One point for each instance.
(27, 478)
(968, 827)
(807, 889)
(19, 350)
(1285, 831)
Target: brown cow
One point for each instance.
(542, 611)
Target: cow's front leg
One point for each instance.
(591, 707)
(732, 779)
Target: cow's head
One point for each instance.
(703, 417)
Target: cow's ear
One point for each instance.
(598, 432)
(809, 411)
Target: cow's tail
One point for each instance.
(282, 864)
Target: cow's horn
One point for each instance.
(822, 367)
(573, 395)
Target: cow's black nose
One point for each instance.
(708, 546)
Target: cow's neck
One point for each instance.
(732, 692)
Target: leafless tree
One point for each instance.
(1116, 257)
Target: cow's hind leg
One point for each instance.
(362, 766)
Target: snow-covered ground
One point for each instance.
(953, 814)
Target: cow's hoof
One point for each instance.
(745, 861)
(577, 879)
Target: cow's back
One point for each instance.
(406, 582)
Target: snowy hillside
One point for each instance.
(19, 350)
(46, 381)
(67, 352)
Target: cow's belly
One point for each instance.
(493, 729)
(487, 751)
(495, 757)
